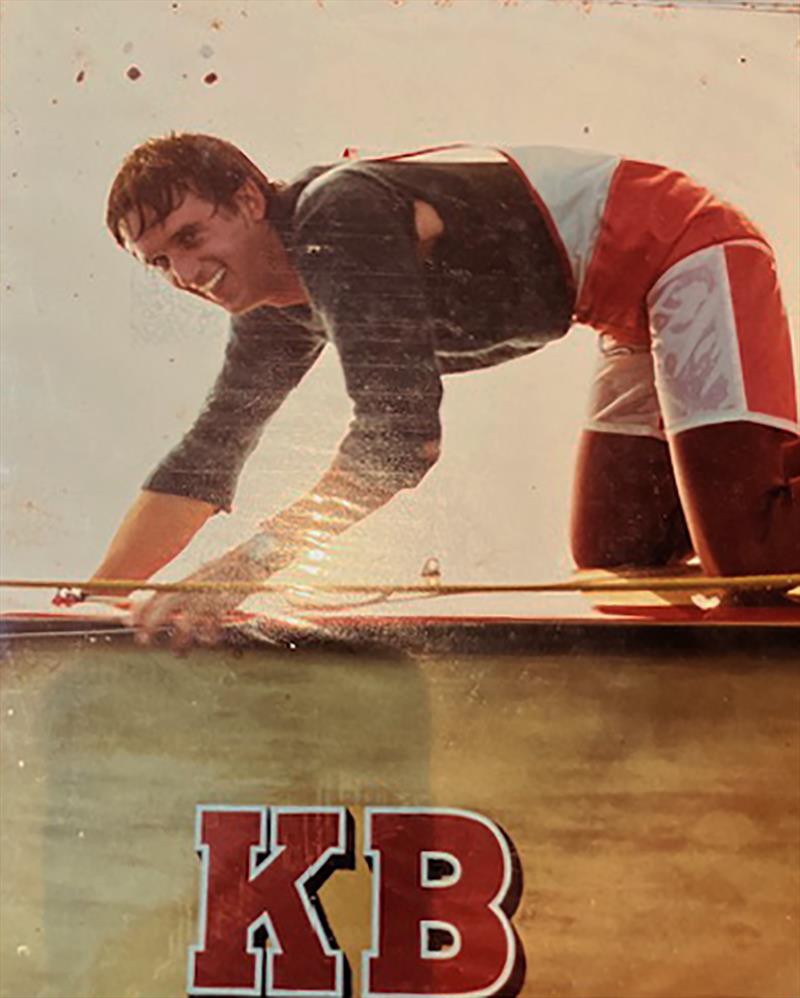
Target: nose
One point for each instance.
(184, 270)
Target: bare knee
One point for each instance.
(625, 509)
(598, 544)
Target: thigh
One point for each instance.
(625, 505)
(726, 388)
(720, 341)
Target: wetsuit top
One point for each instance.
(493, 288)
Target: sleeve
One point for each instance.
(355, 248)
(267, 355)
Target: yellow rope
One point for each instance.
(590, 584)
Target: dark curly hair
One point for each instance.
(157, 175)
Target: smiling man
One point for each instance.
(417, 266)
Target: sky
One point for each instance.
(103, 367)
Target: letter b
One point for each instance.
(443, 883)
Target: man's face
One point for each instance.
(229, 256)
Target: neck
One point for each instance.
(285, 293)
(282, 285)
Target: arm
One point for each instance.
(356, 252)
(267, 355)
(156, 528)
(356, 249)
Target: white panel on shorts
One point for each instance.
(696, 359)
(622, 397)
(573, 184)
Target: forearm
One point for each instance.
(156, 528)
(339, 500)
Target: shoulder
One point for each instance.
(346, 193)
(334, 184)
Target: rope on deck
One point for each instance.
(597, 583)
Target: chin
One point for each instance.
(239, 307)
(272, 298)
(242, 303)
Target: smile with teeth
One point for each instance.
(210, 286)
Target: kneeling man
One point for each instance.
(417, 266)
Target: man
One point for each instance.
(414, 267)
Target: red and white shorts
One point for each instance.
(681, 287)
(719, 350)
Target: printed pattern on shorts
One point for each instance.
(720, 340)
(654, 217)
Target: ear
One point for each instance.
(251, 201)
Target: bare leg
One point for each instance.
(740, 496)
(738, 488)
(722, 360)
(625, 507)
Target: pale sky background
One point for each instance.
(103, 368)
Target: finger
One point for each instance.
(140, 616)
(208, 632)
(216, 614)
(154, 615)
(182, 634)
(139, 610)
(188, 630)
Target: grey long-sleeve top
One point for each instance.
(493, 289)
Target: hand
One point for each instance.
(197, 618)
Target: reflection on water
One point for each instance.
(653, 802)
(128, 743)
